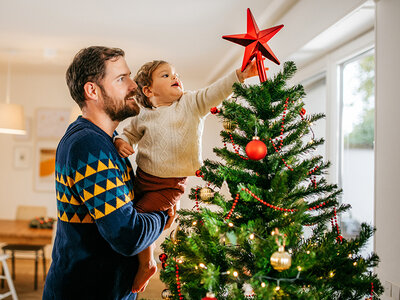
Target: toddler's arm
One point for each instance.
(214, 94)
(123, 148)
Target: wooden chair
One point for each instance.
(28, 213)
(6, 276)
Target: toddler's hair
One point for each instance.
(143, 78)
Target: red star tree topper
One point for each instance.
(255, 42)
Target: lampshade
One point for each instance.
(12, 119)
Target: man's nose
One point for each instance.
(133, 85)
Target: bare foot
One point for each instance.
(143, 275)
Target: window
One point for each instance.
(356, 142)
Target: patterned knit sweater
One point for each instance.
(169, 137)
(98, 230)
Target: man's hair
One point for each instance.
(89, 66)
(144, 78)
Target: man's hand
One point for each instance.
(172, 216)
(250, 71)
(123, 148)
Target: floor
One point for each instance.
(24, 283)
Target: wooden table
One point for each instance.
(19, 232)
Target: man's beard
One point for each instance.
(119, 113)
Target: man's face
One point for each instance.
(117, 90)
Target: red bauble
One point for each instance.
(163, 257)
(198, 173)
(214, 110)
(302, 111)
(256, 149)
(209, 296)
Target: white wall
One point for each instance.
(387, 238)
(33, 88)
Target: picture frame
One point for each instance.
(45, 166)
(51, 123)
(22, 157)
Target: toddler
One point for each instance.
(168, 133)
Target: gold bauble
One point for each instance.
(174, 235)
(206, 193)
(166, 294)
(228, 125)
(281, 260)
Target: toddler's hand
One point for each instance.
(172, 216)
(123, 148)
(250, 71)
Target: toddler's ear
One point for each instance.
(147, 91)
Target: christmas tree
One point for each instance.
(276, 235)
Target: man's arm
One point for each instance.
(105, 189)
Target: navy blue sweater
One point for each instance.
(99, 232)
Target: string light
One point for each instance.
(201, 265)
(235, 274)
(252, 236)
(194, 223)
(230, 224)
(299, 268)
(263, 284)
(331, 274)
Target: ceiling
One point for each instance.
(186, 33)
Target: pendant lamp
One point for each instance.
(12, 120)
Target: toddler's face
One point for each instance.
(166, 87)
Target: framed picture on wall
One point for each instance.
(51, 123)
(45, 166)
(22, 157)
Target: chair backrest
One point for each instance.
(30, 212)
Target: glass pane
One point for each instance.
(357, 156)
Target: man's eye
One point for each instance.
(121, 79)
(165, 75)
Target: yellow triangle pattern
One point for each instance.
(74, 201)
(98, 213)
(75, 219)
(64, 199)
(78, 177)
(110, 185)
(87, 195)
(109, 209)
(88, 219)
(89, 171)
(120, 203)
(119, 182)
(98, 190)
(101, 167)
(64, 217)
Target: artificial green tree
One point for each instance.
(223, 246)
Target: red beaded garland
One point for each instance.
(236, 148)
(334, 223)
(178, 283)
(233, 207)
(277, 207)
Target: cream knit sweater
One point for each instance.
(168, 138)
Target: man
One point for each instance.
(99, 232)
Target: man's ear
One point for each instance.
(147, 91)
(91, 91)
